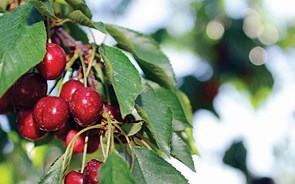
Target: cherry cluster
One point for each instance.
(89, 175)
(75, 108)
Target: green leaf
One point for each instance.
(131, 128)
(22, 43)
(80, 5)
(186, 105)
(158, 117)
(115, 171)
(78, 17)
(44, 8)
(124, 77)
(181, 151)
(150, 168)
(76, 32)
(180, 121)
(54, 173)
(147, 53)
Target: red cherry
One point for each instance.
(86, 106)
(90, 173)
(51, 113)
(26, 126)
(53, 63)
(6, 104)
(74, 177)
(93, 143)
(63, 132)
(113, 111)
(79, 143)
(69, 88)
(28, 89)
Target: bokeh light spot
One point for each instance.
(258, 56)
(215, 30)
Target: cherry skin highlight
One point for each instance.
(69, 88)
(74, 177)
(51, 113)
(86, 106)
(90, 173)
(53, 63)
(28, 89)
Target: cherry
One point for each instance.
(53, 63)
(69, 88)
(79, 143)
(6, 104)
(113, 111)
(62, 133)
(86, 106)
(93, 143)
(26, 126)
(90, 173)
(51, 113)
(28, 89)
(74, 177)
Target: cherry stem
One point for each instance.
(144, 141)
(110, 132)
(69, 150)
(48, 30)
(83, 69)
(84, 153)
(72, 60)
(102, 147)
(91, 60)
(129, 144)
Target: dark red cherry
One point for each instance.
(69, 88)
(6, 103)
(28, 89)
(51, 113)
(90, 173)
(113, 111)
(86, 106)
(93, 143)
(53, 63)
(79, 143)
(26, 126)
(63, 132)
(74, 177)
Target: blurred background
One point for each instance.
(234, 60)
